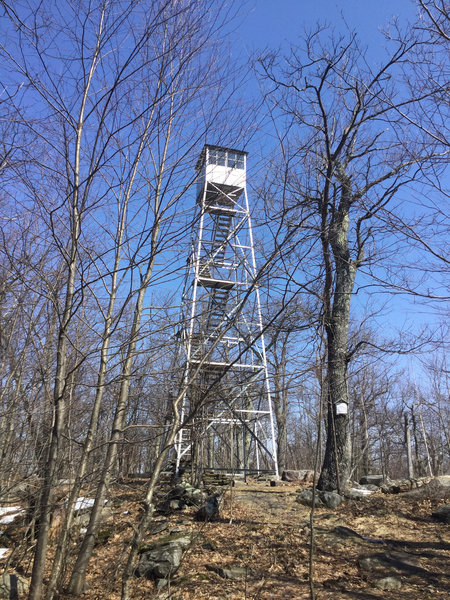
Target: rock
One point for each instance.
(358, 494)
(211, 546)
(24, 490)
(442, 514)
(373, 563)
(388, 583)
(193, 496)
(368, 487)
(173, 505)
(177, 491)
(157, 527)
(13, 586)
(210, 511)
(230, 572)
(390, 563)
(186, 493)
(212, 480)
(176, 530)
(372, 480)
(305, 497)
(305, 475)
(399, 486)
(161, 583)
(162, 559)
(82, 517)
(330, 499)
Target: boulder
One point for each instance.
(210, 511)
(372, 480)
(368, 487)
(173, 505)
(389, 563)
(330, 499)
(304, 475)
(162, 559)
(186, 492)
(230, 572)
(305, 497)
(157, 527)
(388, 583)
(358, 494)
(373, 563)
(442, 514)
(13, 586)
(399, 486)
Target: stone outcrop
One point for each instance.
(399, 486)
(305, 497)
(329, 499)
(181, 495)
(376, 480)
(210, 511)
(162, 559)
(304, 475)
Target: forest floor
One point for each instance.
(265, 531)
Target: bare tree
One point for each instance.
(118, 92)
(287, 367)
(346, 155)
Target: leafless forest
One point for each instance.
(105, 107)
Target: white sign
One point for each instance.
(341, 408)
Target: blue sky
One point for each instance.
(277, 22)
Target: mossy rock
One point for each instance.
(166, 539)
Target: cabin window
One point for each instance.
(217, 157)
(233, 160)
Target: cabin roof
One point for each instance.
(214, 147)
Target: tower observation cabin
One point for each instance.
(227, 410)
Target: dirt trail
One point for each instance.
(268, 501)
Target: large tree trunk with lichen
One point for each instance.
(336, 465)
(337, 460)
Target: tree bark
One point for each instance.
(337, 460)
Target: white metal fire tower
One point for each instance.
(227, 409)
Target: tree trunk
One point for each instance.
(337, 460)
(408, 446)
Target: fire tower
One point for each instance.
(227, 411)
